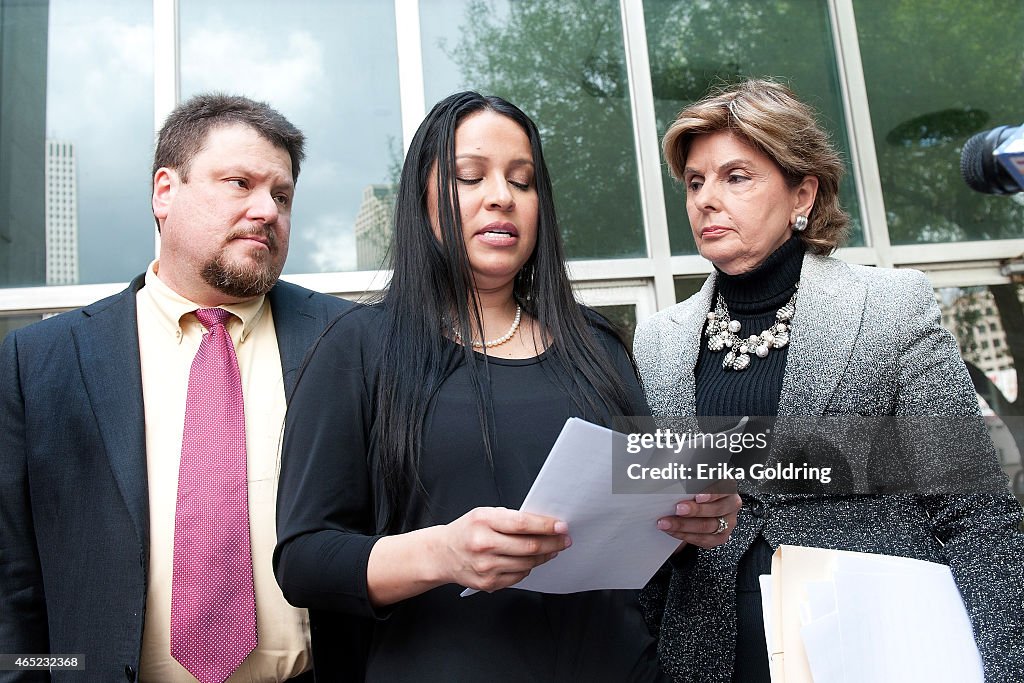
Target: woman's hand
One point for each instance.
(492, 548)
(486, 549)
(706, 521)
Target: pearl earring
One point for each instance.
(800, 224)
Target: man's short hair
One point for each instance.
(184, 132)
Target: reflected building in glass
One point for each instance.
(973, 317)
(61, 214)
(372, 226)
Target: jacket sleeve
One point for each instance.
(979, 528)
(325, 514)
(23, 624)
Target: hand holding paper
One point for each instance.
(616, 542)
(492, 548)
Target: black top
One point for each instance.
(753, 299)
(326, 520)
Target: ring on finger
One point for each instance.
(723, 525)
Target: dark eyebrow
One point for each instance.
(232, 170)
(479, 157)
(731, 163)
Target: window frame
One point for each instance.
(647, 282)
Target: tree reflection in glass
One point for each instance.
(563, 63)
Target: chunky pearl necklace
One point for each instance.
(723, 332)
(491, 343)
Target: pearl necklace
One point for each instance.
(723, 332)
(491, 343)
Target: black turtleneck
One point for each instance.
(753, 299)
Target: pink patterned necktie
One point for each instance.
(213, 606)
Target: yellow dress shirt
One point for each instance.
(169, 336)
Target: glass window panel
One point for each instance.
(76, 139)
(695, 45)
(988, 323)
(563, 63)
(937, 72)
(688, 286)
(623, 316)
(332, 70)
(9, 323)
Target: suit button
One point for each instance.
(757, 509)
(129, 673)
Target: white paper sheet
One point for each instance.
(822, 638)
(873, 618)
(774, 668)
(821, 600)
(615, 539)
(905, 627)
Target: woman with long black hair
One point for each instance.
(419, 423)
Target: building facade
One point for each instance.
(61, 214)
(900, 86)
(373, 226)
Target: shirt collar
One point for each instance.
(171, 307)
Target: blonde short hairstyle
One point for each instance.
(769, 117)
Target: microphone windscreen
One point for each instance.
(971, 163)
(979, 166)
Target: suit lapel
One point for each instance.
(829, 310)
(297, 324)
(107, 342)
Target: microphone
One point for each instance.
(993, 161)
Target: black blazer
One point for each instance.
(74, 506)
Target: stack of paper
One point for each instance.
(832, 616)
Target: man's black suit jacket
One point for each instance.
(74, 508)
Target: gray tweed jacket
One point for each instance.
(865, 342)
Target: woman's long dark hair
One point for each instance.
(432, 293)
